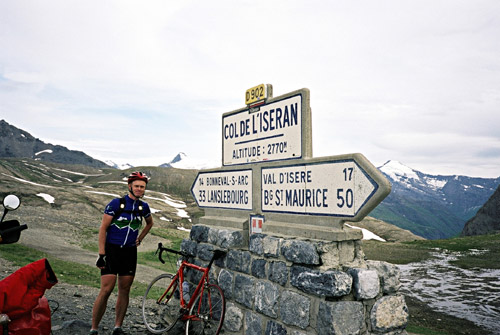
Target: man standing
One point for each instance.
(118, 241)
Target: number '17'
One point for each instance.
(348, 173)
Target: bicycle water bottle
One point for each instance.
(185, 291)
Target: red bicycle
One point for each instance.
(167, 299)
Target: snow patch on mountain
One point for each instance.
(435, 183)
(183, 161)
(48, 151)
(123, 166)
(398, 171)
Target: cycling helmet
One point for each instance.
(137, 176)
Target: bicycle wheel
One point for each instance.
(161, 308)
(207, 313)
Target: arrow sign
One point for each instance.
(346, 186)
(223, 189)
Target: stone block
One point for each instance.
(366, 283)
(278, 272)
(266, 298)
(271, 246)
(225, 282)
(256, 245)
(274, 328)
(199, 233)
(238, 260)
(341, 318)
(205, 251)
(324, 284)
(189, 246)
(389, 275)
(258, 268)
(389, 313)
(213, 235)
(230, 238)
(233, 320)
(253, 323)
(347, 252)
(300, 252)
(244, 290)
(330, 256)
(295, 309)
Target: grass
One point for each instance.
(414, 329)
(66, 272)
(489, 245)
(416, 251)
(395, 253)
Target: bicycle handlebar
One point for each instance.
(217, 253)
(161, 249)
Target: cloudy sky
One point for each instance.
(139, 81)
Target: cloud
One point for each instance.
(390, 79)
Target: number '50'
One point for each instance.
(345, 198)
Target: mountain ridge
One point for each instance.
(431, 206)
(487, 219)
(15, 142)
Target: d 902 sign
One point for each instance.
(255, 94)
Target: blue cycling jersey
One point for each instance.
(124, 228)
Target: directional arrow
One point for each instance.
(347, 186)
(223, 189)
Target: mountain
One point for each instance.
(431, 206)
(183, 161)
(427, 205)
(118, 166)
(487, 219)
(70, 198)
(15, 142)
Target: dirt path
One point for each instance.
(58, 246)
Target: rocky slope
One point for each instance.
(432, 206)
(487, 219)
(15, 142)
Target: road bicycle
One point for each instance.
(168, 299)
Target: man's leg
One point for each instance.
(124, 285)
(107, 285)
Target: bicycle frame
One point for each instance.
(179, 278)
(205, 309)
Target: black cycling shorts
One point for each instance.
(120, 261)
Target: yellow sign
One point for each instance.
(255, 94)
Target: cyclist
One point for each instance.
(119, 238)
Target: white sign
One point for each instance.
(256, 223)
(274, 132)
(333, 188)
(223, 189)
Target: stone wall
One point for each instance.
(286, 285)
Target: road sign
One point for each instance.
(345, 187)
(272, 131)
(223, 189)
(258, 93)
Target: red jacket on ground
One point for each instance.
(21, 298)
